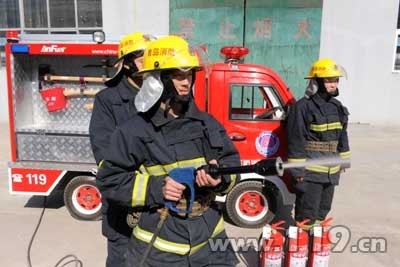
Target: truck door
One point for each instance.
(255, 118)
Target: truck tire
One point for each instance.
(250, 204)
(83, 199)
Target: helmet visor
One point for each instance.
(150, 92)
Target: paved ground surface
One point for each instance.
(366, 203)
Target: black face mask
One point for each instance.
(170, 96)
(323, 92)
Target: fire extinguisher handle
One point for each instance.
(326, 222)
(276, 226)
(302, 223)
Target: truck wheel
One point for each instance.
(83, 199)
(250, 204)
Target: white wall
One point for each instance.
(360, 36)
(122, 17)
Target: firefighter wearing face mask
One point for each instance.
(113, 106)
(170, 132)
(317, 129)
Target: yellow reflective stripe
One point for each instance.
(326, 126)
(173, 247)
(345, 155)
(161, 244)
(316, 168)
(324, 169)
(158, 170)
(192, 163)
(334, 170)
(232, 184)
(198, 247)
(218, 229)
(140, 189)
(101, 163)
(292, 160)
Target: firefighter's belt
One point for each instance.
(198, 208)
(327, 146)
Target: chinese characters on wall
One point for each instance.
(262, 29)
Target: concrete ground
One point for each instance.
(365, 206)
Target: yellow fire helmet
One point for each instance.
(133, 43)
(170, 52)
(325, 68)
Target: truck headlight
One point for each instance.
(99, 37)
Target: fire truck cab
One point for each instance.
(251, 101)
(50, 90)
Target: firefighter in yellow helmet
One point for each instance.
(113, 106)
(317, 129)
(170, 133)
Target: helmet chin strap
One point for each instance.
(131, 71)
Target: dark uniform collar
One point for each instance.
(317, 99)
(127, 91)
(320, 101)
(193, 112)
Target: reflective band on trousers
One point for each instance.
(324, 169)
(345, 155)
(326, 126)
(172, 247)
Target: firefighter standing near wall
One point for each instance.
(170, 132)
(113, 106)
(317, 129)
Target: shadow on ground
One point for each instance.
(249, 256)
(54, 201)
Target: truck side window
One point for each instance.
(254, 102)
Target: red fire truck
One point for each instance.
(50, 91)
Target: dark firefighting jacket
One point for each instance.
(317, 129)
(112, 107)
(141, 154)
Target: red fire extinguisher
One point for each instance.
(321, 246)
(297, 253)
(271, 254)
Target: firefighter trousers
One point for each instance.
(203, 242)
(313, 200)
(223, 256)
(117, 251)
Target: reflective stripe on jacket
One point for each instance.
(314, 119)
